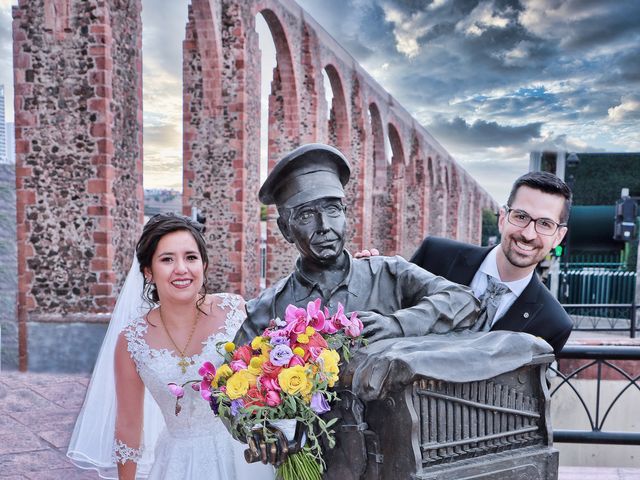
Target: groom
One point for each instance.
(393, 298)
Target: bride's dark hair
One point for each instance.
(157, 227)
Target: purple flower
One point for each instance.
(279, 341)
(214, 404)
(236, 405)
(280, 355)
(319, 404)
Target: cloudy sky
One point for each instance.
(490, 79)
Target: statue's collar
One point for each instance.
(304, 286)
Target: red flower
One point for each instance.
(243, 353)
(270, 370)
(254, 397)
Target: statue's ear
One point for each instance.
(283, 225)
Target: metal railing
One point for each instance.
(597, 285)
(604, 317)
(600, 357)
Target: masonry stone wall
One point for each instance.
(77, 77)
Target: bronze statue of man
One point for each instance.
(393, 298)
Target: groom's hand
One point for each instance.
(378, 327)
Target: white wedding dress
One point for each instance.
(194, 444)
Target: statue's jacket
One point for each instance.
(421, 302)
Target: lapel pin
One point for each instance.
(525, 314)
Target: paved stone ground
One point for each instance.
(38, 411)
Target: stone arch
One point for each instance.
(415, 215)
(283, 136)
(433, 203)
(308, 87)
(338, 130)
(201, 64)
(380, 197)
(397, 187)
(356, 191)
(453, 203)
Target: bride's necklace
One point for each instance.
(183, 363)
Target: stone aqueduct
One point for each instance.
(78, 103)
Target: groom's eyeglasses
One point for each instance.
(521, 219)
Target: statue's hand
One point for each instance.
(378, 327)
(367, 253)
(276, 450)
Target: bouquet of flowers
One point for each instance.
(284, 374)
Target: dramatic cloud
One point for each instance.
(493, 80)
(483, 134)
(629, 109)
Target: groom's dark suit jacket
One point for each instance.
(535, 311)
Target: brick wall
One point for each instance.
(77, 76)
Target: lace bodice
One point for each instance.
(158, 367)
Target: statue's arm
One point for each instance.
(431, 304)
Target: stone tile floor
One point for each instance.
(38, 411)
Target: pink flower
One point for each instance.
(314, 307)
(269, 384)
(329, 327)
(237, 365)
(316, 315)
(207, 369)
(273, 398)
(296, 360)
(176, 390)
(297, 326)
(354, 326)
(205, 394)
(294, 314)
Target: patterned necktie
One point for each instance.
(489, 303)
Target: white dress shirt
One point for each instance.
(489, 267)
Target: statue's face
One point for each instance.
(317, 229)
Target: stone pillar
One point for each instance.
(79, 199)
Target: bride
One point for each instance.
(149, 344)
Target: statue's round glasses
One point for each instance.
(521, 219)
(308, 212)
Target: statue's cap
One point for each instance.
(307, 173)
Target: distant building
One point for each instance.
(157, 200)
(10, 138)
(3, 141)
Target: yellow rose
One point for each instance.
(255, 366)
(251, 378)
(237, 385)
(229, 347)
(293, 380)
(329, 360)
